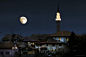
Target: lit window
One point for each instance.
(67, 39)
(15, 47)
(12, 47)
(51, 49)
(54, 49)
(59, 39)
(33, 43)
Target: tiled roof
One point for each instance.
(6, 45)
(9, 36)
(5, 38)
(29, 39)
(49, 40)
(44, 40)
(39, 36)
(34, 38)
(16, 35)
(62, 33)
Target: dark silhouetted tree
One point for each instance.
(72, 39)
(82, 44)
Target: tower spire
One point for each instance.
(58, 19)
(58, 14)
(58, 8)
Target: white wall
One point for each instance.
(49, 47)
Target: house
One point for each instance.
(55, 42)
(9, 50)
(16, 38)
(12, 38)
(52, 45)
(29, 49)
(62, 36)
(30, 41)
(7, 38)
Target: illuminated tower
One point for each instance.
(58, 19)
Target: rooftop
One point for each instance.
(63, 33)
(9, 36)
(29, 39)
(6, 45)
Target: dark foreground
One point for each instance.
(56, 55)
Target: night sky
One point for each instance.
(41, 16)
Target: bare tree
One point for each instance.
(12, 28)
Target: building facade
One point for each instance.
(9, 50)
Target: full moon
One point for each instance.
(23, 20)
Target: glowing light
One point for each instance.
(12, 47)
(33, 43)
(59, 39)
(15, 47)
(67, 39)
(58, 17)
(54, 49)
(51, 49)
